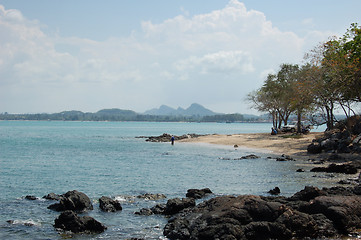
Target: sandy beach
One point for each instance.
(277, 144)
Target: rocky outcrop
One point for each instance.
(345, 138)
(107, 204)
(310, 213)
(52, 196)
(70, 221)
(337, 168)
(152, 197)
(165, 137)
(172, 207)
(198, 193)
(73, 200)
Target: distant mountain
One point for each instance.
(193, 110)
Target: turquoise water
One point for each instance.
(106, 159)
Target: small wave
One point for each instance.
(28, 222)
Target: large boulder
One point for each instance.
(343, 211)
(227, 217)
(307, 194)
(73, 200)
(70, 221)
(107, 204)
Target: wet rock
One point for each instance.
(275, 191)
(251, 156)
(152, 197)
(165, 137)
(300, 170)
(173, 206)
(176, 205)
(52, 196)
(73, 200)
(30, 197)
(198, 193)
(70, 221)
(107, 204)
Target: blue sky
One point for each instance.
(88, 55)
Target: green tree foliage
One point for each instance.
(331, 79)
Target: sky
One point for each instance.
(89, 55)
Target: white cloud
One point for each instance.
(210, 58)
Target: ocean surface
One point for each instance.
(106, 159)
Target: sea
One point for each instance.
(108, 159)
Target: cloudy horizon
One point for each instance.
(75, 57)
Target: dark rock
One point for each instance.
(334, 168)
(165, 137)
(314, 148)
(70, 221)
(29, 197)
(300, 170)
(267, 230)
(109, 205)
(176, 205)
(198, 193)
(343, 211)
(144, 212)
(52, 196)
(73, 200)
(275, 191)
(307, 194)
(251, 156)
(152, 197)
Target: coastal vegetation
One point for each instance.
(125, 115)
(330, 80)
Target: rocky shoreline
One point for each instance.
(311, 213)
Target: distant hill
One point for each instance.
(116, 112)
(193, 110)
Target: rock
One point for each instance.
(70, 221)
(29, 197)
(314, 148)
(343, 211)
(152, 197)
(172, 207)
(109, 205)
(308, 193)
(251, 156)
(300, 170)
(165, 137)
(73, 200)
(176, 205)
(224, 218)
(275, 191)
(157, 209)
(198, 193)
(52, 196)
(334, 168)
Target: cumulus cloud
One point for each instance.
(207, 58)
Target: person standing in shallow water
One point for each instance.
(172, 140)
